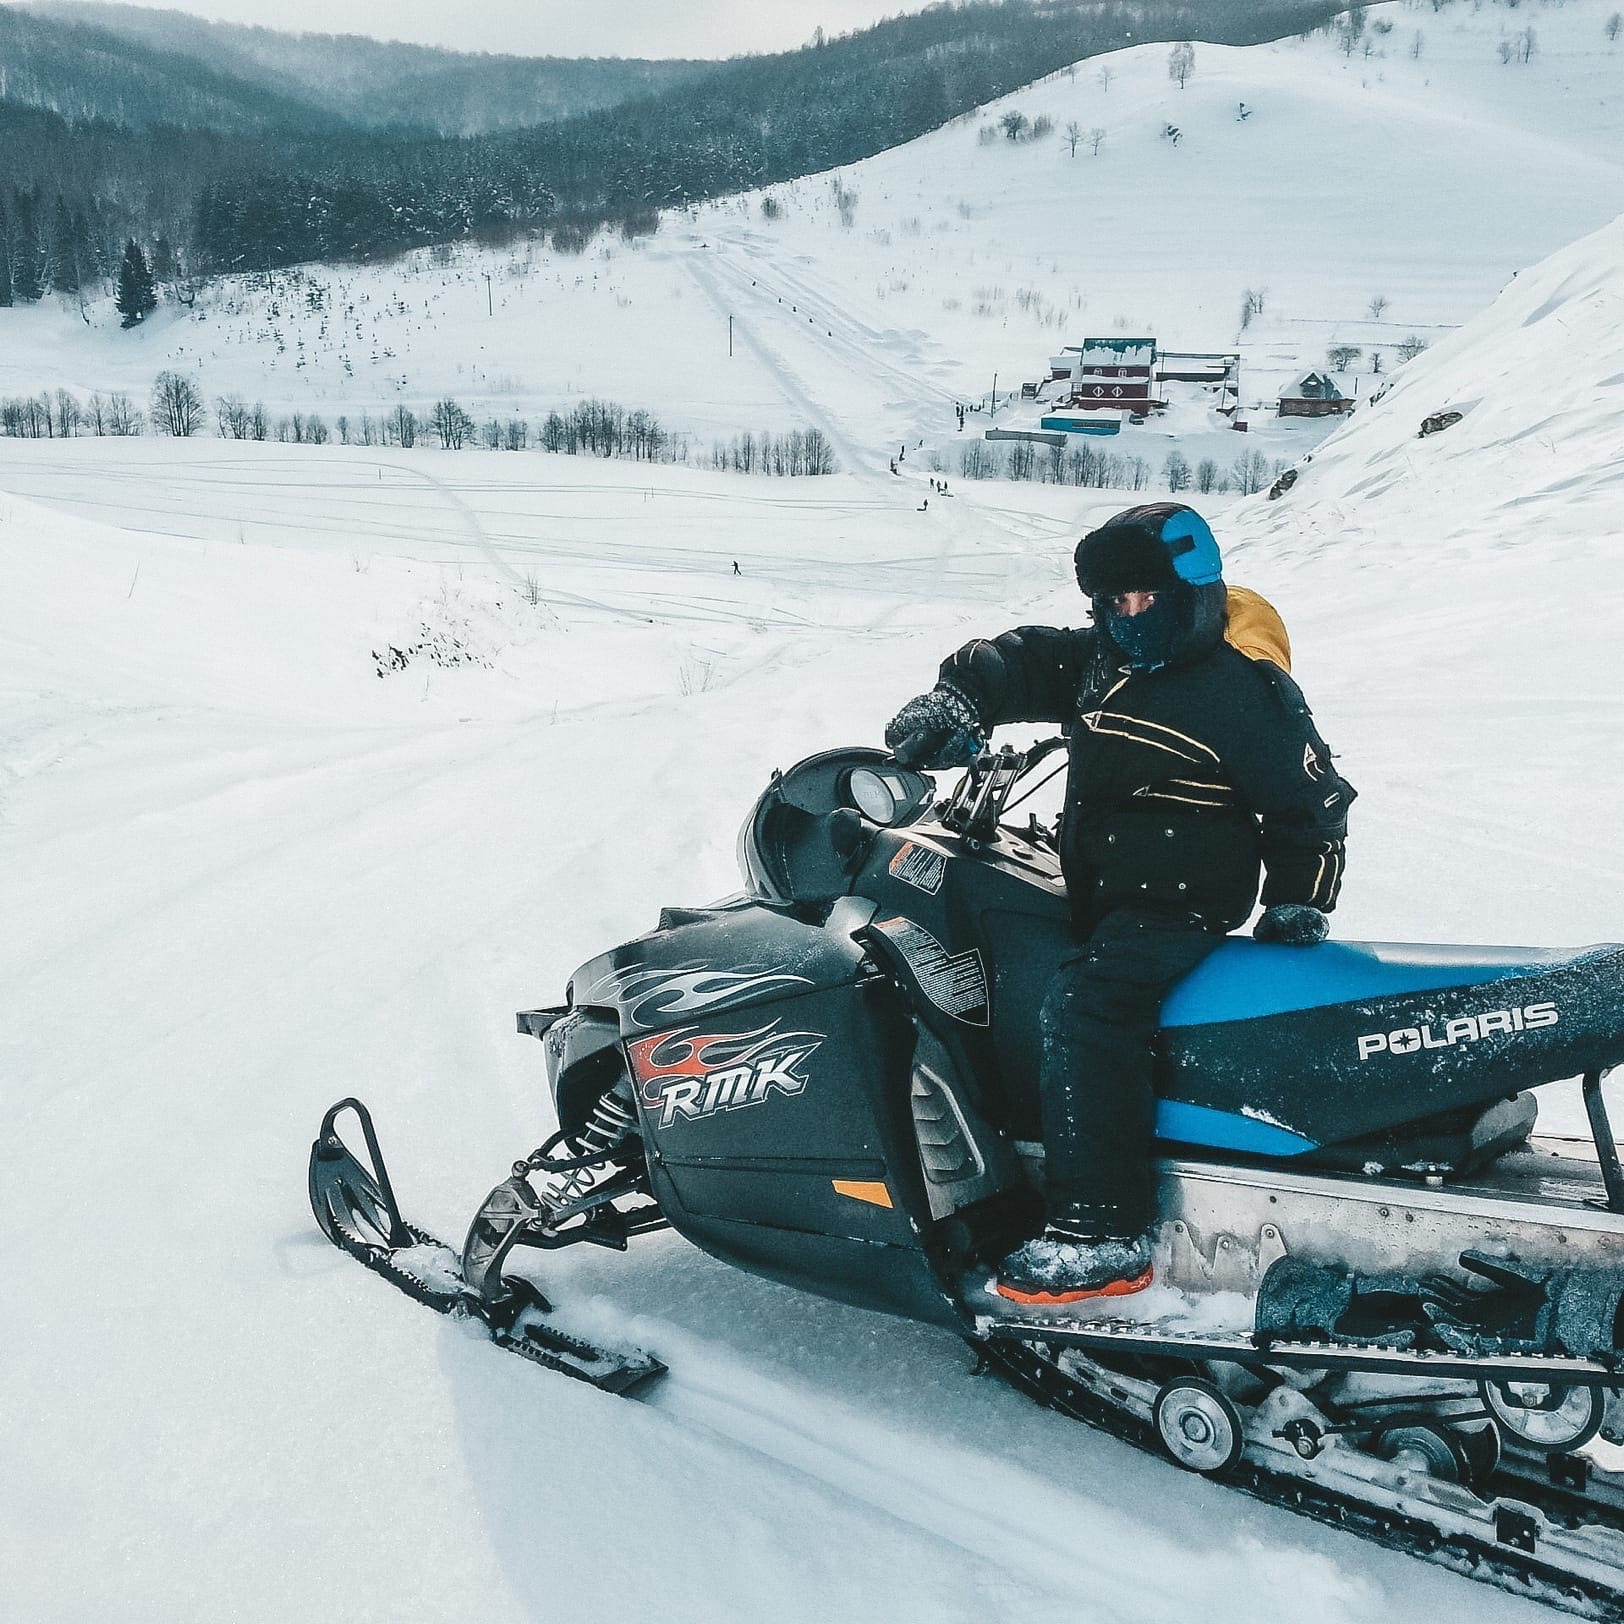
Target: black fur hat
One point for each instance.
(1124, 555)
(1147, 549)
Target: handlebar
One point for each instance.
(982, 795)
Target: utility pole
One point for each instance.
(490, 309)
(995, 391)
(730, 336)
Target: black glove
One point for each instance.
(1293, 924)
(936, 730)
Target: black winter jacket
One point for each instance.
(1182, 780)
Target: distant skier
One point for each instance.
(736, 569)
(924, 507)
(1190, 761)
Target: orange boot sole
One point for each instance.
(1049, 1299)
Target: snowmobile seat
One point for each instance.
(1398, 1054)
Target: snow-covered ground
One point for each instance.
(1425, 180)
(244, 874)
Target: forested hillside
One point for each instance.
(284, 194)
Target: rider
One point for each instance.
(1191, 763)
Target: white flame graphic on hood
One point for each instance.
(645, 996)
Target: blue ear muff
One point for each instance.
(1193, 548)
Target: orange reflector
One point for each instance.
(876, 1195)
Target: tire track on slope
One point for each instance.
(699, 270)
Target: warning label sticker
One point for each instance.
(919, 867)
(956, 983)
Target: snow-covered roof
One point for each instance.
(1118, 352)
(1315, 386)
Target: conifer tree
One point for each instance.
(5, 257)
(26, 255)
(64, 255)
(135, 296)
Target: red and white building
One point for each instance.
(1109, 374)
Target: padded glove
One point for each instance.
(935, 730)
(1293, 924)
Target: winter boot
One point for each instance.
(1062, 1266)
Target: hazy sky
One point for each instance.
(562, 27)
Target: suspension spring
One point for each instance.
(605, 1130)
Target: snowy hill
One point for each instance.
(1426, 181)
(246, 875)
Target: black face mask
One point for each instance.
(1147, 639)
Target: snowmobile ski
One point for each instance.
(355, 1206)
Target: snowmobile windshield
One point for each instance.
(798, 843)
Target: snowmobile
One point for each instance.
(1380, 1298)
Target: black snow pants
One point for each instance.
(1098, 1019)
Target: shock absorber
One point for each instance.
(606, 1128)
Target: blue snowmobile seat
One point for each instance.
(1281, 1051)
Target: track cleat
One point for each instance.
(1060, 1268)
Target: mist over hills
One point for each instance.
(80, 71)
(379, 84)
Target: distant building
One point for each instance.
(1082, 422)
(1315, 394)
(1109, 374)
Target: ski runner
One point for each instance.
(1191, 762)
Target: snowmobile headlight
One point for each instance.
(887, 796)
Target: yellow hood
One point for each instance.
(1256, 629)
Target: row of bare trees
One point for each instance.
(1086, 466)
(787, 456)
(596, 428)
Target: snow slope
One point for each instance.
(1426, 180)
(246, 875)
(243, 874)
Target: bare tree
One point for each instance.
(68, 413)
(123, 419)
(1525, 45)
(1251, 306)
(1177, 470)
(1096, 139)
(1411, 347)
(401, 427)
(1206, 475)
(1612, 27)
(1074, 134)
(1106, 74)
(1181, 62)
(1378, 305)
(452, 424)
(1416, 45)
(1014, 124)
(177, 407)
(1250, 472)
(1342, 356)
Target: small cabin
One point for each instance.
(1315, 394)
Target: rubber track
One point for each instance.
(1518, 1572)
